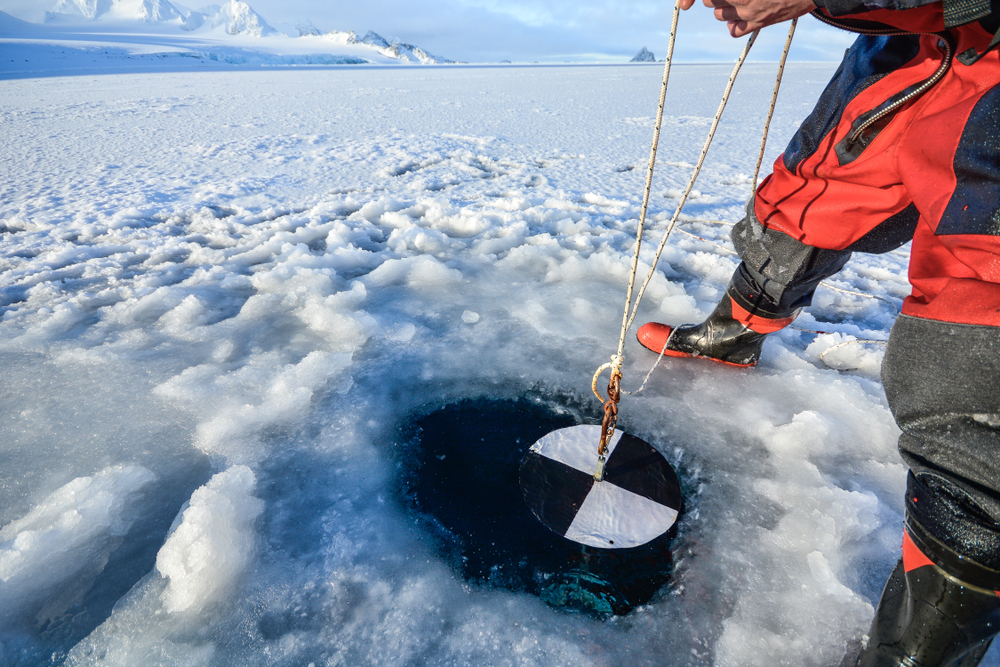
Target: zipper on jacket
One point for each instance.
(850, 148)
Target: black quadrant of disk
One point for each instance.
(638, 499)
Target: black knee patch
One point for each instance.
(895, 232)
(745, 291)
(787, 271)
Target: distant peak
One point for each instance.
(644, 56)
(375, 39)
(306, 27)
(121, 10)
(240, 19)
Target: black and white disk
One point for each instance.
(638, 499)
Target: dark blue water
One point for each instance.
(462, 482)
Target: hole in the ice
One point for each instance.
(463, 484)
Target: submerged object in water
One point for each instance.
(462, 468)
(637, 499)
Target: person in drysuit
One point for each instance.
(904, 144)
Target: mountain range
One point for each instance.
(235, 17)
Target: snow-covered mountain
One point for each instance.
(117, 10)
(235, 17)
(644, 56)
(410, 53)
(401, 50)
(239, 18)
(300, 28)
(375, 39)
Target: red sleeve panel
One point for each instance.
(954, 175)
(938, 155)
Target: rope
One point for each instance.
(822, 357)
(614, 391)
(632, 308)
(774, 100)
(862, 294)
(694, 177)
(617, 360)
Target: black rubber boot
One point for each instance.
(719, 338)
(929, 618)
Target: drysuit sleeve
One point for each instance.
(845, 7)
(955, 12)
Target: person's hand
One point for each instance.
(745, 16)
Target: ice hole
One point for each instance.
(463, 486)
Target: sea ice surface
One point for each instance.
(221, 293)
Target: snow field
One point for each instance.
(221, 293)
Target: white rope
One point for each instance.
(627, 319)
(822, 357)
(632, 307)
(774, 100)
(617, 360)
(680, 205)
(862, 294)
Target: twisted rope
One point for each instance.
(774, 100)
(634, 307)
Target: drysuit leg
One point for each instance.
(940, 607)
(943, 384)
(938, 164)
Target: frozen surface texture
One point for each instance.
(220, 293)
(208, 552)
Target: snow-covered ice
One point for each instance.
(221, 293)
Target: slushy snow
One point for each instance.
(221, 293)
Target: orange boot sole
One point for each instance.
(653, 336)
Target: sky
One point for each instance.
(535, 30)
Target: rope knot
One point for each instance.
(617, 361)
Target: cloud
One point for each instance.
(26, 10)
(535, 30)
(553, 30)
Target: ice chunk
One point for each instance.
(50, 558)
(214, 543)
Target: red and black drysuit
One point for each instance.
(904, 144)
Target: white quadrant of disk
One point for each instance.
(610, 515)
(575, 446)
